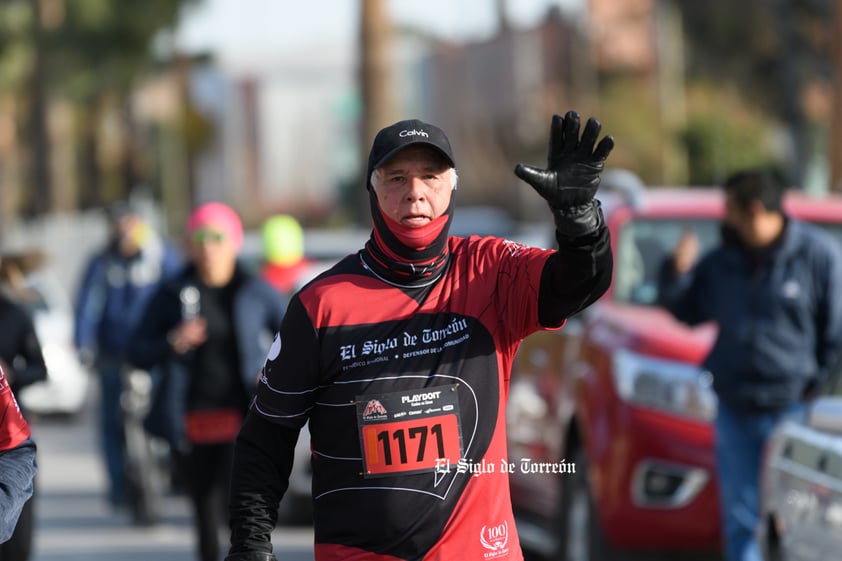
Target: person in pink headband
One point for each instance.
(217, 217)
(209, 333)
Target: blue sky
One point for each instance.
(241, 28)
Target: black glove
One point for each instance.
(572, 176)
(251, 556)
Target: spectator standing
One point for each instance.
(400, 356)
(20, 349)
(774, 287)
(208, 331)
(116, 286)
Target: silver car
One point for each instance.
(801, 483)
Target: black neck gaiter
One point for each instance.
(391, 258)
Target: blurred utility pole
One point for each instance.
(502, 18)
(40, 198)
(375, 78)
(789, 90)
(177, 189)
(835, 156)
(671, 92)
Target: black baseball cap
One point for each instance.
(390, 140)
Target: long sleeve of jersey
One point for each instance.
(262, 464)
(575, 276)
(265, 446)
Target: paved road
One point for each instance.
(74, 523)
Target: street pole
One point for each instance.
(40, 200)
(835, 155)
(375, 79)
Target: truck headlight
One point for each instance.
(671, 386)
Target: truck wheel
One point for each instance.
(580, 536)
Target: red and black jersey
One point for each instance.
(405, 390)
(13, 427)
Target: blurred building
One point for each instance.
(495, 97)
(287, 135)
(623, 34)
(281, 130)
(286, 130)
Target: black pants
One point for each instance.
(19, 546)
(207, 474)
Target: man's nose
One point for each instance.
(417, 189)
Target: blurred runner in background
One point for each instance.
(209, 331)
(20, 349)
(117, 284)
(283, 253)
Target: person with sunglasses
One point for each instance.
(207, 332)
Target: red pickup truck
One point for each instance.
(609, 418)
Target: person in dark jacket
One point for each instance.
(117, 283)
(20, 348)
(774, 287)
(208, 332)
(399, 357)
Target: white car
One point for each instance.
(66, 389)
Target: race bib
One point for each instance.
(413, 431)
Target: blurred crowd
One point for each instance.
(172, 335)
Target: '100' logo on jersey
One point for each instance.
(495, 539)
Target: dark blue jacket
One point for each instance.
(779, 314)
(258, 311)
(114, 292)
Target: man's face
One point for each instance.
(742, 220)
(127, 233)
(414, 187)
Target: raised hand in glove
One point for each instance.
(572, 176)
